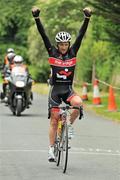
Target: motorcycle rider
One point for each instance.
(18, 62)
(8, 61)
(4, 67)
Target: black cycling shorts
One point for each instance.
(59, 94)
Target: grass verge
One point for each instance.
(102, 109)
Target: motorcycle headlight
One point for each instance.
(20, 84)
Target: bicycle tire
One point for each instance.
(57, 151)
(64, 148)
(59, 155)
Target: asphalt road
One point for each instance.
(95, 152)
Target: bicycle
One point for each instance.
(61, 140)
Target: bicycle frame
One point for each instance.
(61, 142)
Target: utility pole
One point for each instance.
(93, 71)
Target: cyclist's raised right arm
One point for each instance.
(35, 12)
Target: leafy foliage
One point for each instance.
(110, 11)
(100, 45)
(14, 22)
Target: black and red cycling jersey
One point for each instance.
(62, 65)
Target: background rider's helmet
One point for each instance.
(63, 37)
(18, 59)
(10, 57)
(9, 50)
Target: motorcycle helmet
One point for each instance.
(63, 37)
(9, 50)
(18, 59)
(10, 57)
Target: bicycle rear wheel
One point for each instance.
(64, 148)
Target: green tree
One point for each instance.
(105, 30)
(110, 11)
(14, 23)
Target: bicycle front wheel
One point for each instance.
(57, 151)
(64, 147)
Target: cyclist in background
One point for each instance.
(62, 60)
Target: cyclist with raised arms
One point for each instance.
(62, 60)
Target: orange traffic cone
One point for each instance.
(111, 100)
(96, 94)
(84, 92)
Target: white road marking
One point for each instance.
(90, 149)
(96, 153)
(117, 151)
(73, 150)
(22, 150)
(97, 150)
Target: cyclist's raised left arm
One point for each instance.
(77, 43)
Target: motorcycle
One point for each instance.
(20, 95)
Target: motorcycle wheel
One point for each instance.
(19, 107)
(31, 96)
(2, 95)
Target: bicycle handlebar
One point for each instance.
(67, 107)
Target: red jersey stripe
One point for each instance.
(58, 62)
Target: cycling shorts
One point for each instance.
(59, 94)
